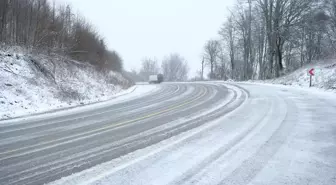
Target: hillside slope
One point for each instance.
(37, 83)
(325, 76)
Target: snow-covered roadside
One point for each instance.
(33, 84)
(129, 94)
(324, 78)
(299, 89)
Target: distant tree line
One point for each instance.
(173, 68)
(41, 25)
(263, 39)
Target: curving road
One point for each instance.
(181, 133)
(43, 151)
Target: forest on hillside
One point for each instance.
(263, 39)
(41, 25)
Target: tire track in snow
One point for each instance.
(66, 128)
(264, 155)
(72, 136)
(11, 129)
(188, 177)
(32, 141)
(292, 155)
(250, 167)
(173, 132)
(219, 112)
(69, 151)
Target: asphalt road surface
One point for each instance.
(202, 133)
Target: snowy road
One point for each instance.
(183, 133)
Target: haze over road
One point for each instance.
(180, 133)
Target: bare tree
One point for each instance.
(40, 25)
(113, 61)
(211, 49)
(331, 25)
(227, 32)
(266, 38)
(280, 16)
(221, 69)
(243, 23)
(175, 68)
(149, 67)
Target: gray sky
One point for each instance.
(155, 28)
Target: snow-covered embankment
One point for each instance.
(324, 78)
(31, 84)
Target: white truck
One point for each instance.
(155, 79)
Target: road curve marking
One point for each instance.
(106, 128)
(27, 126)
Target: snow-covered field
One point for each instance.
(31, 84)
(325, 76)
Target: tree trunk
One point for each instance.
(212, 70)
(3, 21)
(279, 53)
(36, 34)
(251, 59)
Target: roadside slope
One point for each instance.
(31, 84)
(325, 76)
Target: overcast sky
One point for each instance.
(155, 28)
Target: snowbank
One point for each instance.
(325, 76)
(31, 84)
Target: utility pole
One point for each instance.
(202, 69)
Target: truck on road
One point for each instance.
(155, 79)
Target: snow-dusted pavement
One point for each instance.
(186, 133)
